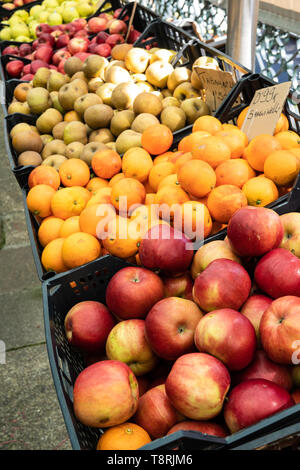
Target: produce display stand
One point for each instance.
(6, 13)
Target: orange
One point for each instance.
(194, 220)
(51, 257)
(174, 156)
(169, 180)
(164, 157)
(67, 202)
(106, 163)
(44, 174)
(96, 183)
(39, 200)
(207, 123)
(69, 226)
(296, 151)
(282, 124)
(80, 248)
(126, 193)
(185, 157)
(224, 201)
(49, 230)
(241, 117)
(126, 436)
(144, 216)
(188, 142)
(91, 216)
(236, 172)
(122, 237)
(159, 172)
(281, 167)
(150, 198)
(169, 197)
(260, 191)
(137, 163)
(212, 150)
(148, 187)
(101, 196)
(197, 177)
(235, 139)
(157, 139)
(116, 178)
(258, 150)
(74, 172)
(288, 139)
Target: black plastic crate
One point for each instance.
(89, 283)
(6, 14)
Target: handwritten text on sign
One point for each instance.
(217, 85)
(265, 109)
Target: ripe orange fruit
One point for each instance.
(207, 123)
(106, 163)
(80, 248)
(159, 172)
(164, 157)
(126, 436)
(197, 177)
(170, 180)
(122, 237)
(144, 216)
(258, 150)
(296, 152)
(188, 142)
(282, 124)
(137, 163)
(157, 139)
(224, 201)
(185, 157)
(212, 150)
(194, 220)
(281, 167)
(241, 117)
(260, 191)
(288, 139)
(235, 139)
(44, 174)
(126, 193)
(170, 196)
(115, 178)
(150, 198)
(67, 202)
(69, 226)
(96, 183)
(236, 172)
(91, 216)
(174, 156)
(51, 257)
(39, 200)
(101, 196)
(49, 230)
(74, 172)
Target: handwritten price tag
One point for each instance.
(265, 109)
(216, 84)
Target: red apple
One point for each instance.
(46, 38)
(133, 291)
(253, 231)
(127, 343)
(114, 39)
(69, 29)
(254, 400)
(18, 3)
(87, 326)
(253, 309)
(44, 53)
(37, 64)
(280, 330)
(117, 13)
(197, 386)
(14, 68)
(105, 394)
(92, 47)
(229, 336)
(61, 66)
(291, 237)
(76, 45)
(82, 55)
(278, 273)
(166, 249)
(52, 67)
(79, 23)
(27, 77)
(179, 286)
(8, 6)
(133, 35)
(82, 33)
(95, 25)
(205, 427)
(43, 28)
(103, 49)
(118, 27)
(26, 69)
(25, 49)
(155, 413)
(62, 41)
(170, 326)
(223, 284)
(263, 368)
(61, 54)
(12, 50)
(101, 37)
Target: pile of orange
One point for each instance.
(86, 213)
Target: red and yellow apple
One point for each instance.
(291, 236)
(205, 427)
(178, 286)
(253, 309)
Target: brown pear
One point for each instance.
(90, 149)
(29, 157)
(74, 150)
(121, 121)
(85, 101)
(41, 77)
(98, 116)
(94, 66)
(73, 65)
(75, 131)
(27, 140)
(48, 120)
(69, 92)
(56, 146)
(38, 100)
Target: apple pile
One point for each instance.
(54, 44)
(11, 5)
(109, 103)
(205, 341)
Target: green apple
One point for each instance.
(43, 18)
(50, 4)
(23, 39)
(70, 14)
(32, 27)
(5, 34)
(84, 9)
(36, 11)
(19, 30)
(54, 18)
(22, 14)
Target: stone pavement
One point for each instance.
(30, 415)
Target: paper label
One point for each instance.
(265, 109)
(217, 85)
